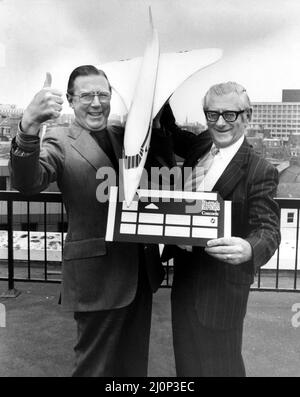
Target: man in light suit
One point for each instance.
(108, 285)
(211, 285)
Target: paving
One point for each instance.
(38, 337)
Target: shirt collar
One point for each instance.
(231, 150)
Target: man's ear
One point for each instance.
(249, 114)
(70, 100)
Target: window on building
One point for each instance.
(3, 226)
(290, 217)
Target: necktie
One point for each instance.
(200, 170)
(102, 138)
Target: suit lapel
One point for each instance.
(88, 148)
(233, 172)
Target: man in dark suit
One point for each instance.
(211, 285)
(108, 285)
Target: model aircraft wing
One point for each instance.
(173, 70)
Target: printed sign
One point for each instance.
(168, 217)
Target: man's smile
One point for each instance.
(95, 114)
(222, 131)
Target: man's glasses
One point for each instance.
(229, 115)
(87, 98)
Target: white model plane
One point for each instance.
(144, 85)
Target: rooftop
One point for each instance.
(38, 338)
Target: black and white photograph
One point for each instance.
(149, 191)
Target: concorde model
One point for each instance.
(144, 85)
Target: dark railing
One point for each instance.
(281, 274)
(284, 274)
(15, 218)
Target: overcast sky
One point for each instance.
(260, 39)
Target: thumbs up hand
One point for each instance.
(46, 105)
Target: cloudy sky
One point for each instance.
(260, 39)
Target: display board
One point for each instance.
(168, 217)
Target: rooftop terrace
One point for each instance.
(38, 338)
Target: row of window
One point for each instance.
(284, 115)
(287, 123)
(261, 120)
(278, 106)
(275, 120)
(278, 111)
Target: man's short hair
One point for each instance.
(84, 70)
(228, 88)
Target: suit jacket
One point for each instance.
(97, 275)
(220, 290)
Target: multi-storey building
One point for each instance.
(282, 119)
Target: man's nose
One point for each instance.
(220, 122)
(96, 101)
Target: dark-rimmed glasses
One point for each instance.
(229, 115)
(87, 98)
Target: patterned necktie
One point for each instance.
(200, 170)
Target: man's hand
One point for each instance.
(46, 105)
(233, 250)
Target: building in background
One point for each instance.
(194, 127)
(280, 119)
(274, 132)
(10, 116)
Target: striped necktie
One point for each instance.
(200, 169)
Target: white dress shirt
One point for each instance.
(218, 165)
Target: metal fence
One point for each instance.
(280, 274)
(284, 272)
(14, 218)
